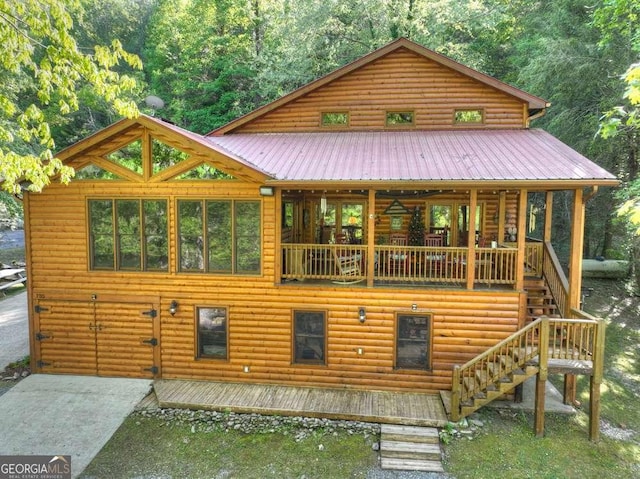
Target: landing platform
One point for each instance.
(384, 407)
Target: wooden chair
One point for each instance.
(348, 266)
(397, 259)
(433, 239)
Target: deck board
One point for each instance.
(385, 407)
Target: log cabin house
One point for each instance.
(369, 230)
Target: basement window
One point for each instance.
(309, 337)
(400, 118)
(468, 117)
(413, 341)
(334, 118)
(212, 332)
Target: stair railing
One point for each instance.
(490, 367)
(556, 279)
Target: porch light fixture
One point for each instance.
(173, 308)
(362, 314)
(266, 191)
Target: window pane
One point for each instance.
(309, 332)
(335, 118)
(101, 234)
(156, 236)
(395, 118)
(129, 249)
(412, 342)
(468, 116)
(212, 332)
(219, 236)
(248, 236)
(191, 235)
(352, 215)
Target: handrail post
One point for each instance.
(596, 380)
(455, 394)
(541, 378)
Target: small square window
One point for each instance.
(468, 117)
(212, 333)
(309, 337)
(413, 341)
(334, 118)
(400, 118)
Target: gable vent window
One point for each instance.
(334, 118)
(468, 117)
(400, 118)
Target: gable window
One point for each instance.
(413, 341)
(468, 117)
(400, 118)
(334, 118)
(309, 337)
(212, 332)
(128, 234)
(219, 236)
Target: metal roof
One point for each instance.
(527, 155)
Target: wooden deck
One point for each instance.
(369, 406)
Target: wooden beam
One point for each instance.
(502, 212)
(596, 380)
(541, 377)
(575, 257)
(471, 238)
(371, 236)
(548, 216)
(522, 225)
(277, 267)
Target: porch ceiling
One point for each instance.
(488, 156)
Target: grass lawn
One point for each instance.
(504, 447)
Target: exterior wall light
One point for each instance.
(266, 191)
(173, 308)
(362, 314)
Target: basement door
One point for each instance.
(96, 337)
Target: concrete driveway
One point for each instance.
(66, 415)
(14, 329)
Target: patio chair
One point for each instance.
(348, 266)
(432, 239)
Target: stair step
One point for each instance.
(413, 434)
(410, 450)
(411, 465)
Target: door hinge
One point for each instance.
(40, 363)
(39, 309)
(152, 369)
(152, 313)
(152, 341)
(40, 336)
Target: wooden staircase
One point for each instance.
(410, 448)
(540, 301)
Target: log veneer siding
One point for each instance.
(403, 81)
(260, 310)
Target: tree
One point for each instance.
(43, 63)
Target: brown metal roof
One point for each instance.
(427, 156)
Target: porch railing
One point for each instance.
(402, 264)
(556, 279)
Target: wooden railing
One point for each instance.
(402, 264)
(533, 256)
(546, 338)
(555, 278)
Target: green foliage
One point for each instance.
(42, 59)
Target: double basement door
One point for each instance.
(97, 337)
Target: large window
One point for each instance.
(128, 234)
(309, 337)
(413, 341)
(212, 333)
(219, 236)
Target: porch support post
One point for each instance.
(541, 377)
(502, 210)
(471, 239)
(575, 277)
(522, 225)
(548, 216)
(278, 236)
(371, 236)
(596, 380)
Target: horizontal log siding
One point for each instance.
(260, 312)
(429, 89)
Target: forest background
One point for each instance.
(211, 61)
